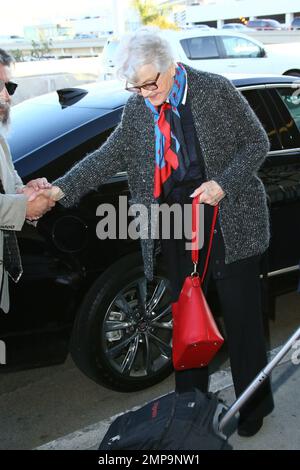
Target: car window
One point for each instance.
(273, 23)
(255, 23)
(261, 106)
(204, 47)
(236, 47)
(291, 99)
(287, 102)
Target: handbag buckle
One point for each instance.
(195, 272)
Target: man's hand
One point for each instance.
(30, 192)
(210, 193)
(41, 204)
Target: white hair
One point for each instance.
(144, 46)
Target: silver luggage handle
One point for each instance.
(258, 381)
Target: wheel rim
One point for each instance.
(137, 329)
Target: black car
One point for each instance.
(77, 290)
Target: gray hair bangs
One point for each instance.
(142, 47)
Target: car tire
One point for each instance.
(142, 354)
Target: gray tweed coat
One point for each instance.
(234, 145)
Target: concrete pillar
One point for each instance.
(289, 18)
(118, 10)
(220, 23)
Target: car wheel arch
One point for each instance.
(295, 72)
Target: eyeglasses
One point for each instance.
(10, 87)
(150, 86)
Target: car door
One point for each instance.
(279, 112)
(286, 220)
(242, 55)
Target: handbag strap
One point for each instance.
(195, 232)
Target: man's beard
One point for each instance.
(4, 113)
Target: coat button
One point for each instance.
(215, 231)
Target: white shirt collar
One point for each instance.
(185, 91)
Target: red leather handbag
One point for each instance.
(196, 338)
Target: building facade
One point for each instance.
(217, 12)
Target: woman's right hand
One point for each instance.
(54, 193)
(40, 201)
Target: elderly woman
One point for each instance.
(185, 132)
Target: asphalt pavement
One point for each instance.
(281, 429)
(58, 407)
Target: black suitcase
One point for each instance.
(185, 421)
(182, 421)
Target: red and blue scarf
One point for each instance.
(171, 156)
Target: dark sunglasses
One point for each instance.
(147, 86)
(10, 87)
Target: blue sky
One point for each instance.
(17, 13)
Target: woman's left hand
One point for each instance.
(210, 193)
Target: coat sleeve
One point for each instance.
(99, 166)
(12, 211)
(13, 206)
(252, 143)
(17, 179)
(18, 182)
